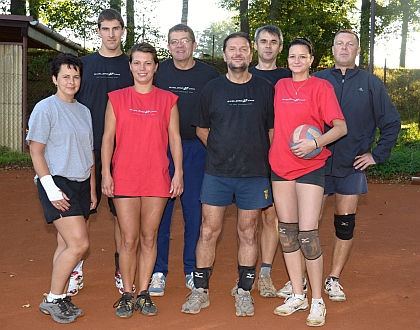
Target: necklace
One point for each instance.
(296, 91)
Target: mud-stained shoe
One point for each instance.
(145, 305)
(334, 290)
(75, 310)
(291, 305)
(317, 315)
(244, 303)
(58, 310)
(197, 299)
(266, 287)
(124, 306)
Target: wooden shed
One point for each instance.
(17, 35)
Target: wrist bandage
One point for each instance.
(53, 192)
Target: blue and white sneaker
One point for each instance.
(157, 285)
(189, 281)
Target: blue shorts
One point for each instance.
(316, 177)
(249, 193)
(353, 184)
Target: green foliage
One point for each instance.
(317, 19)
(405, 158)
(8, 157)
(403, 85)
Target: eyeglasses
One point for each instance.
(183, 41)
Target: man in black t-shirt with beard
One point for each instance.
(235, 122)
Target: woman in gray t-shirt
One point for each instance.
(60, 138)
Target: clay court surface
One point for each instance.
(381, 279)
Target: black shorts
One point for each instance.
(78, 192)
(98, 180)
(316, 177)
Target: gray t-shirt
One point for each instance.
(66, 130)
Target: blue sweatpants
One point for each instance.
(193, 166)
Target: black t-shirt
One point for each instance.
(239, 117)
(187, 84)
(102, 75)
(272, 76)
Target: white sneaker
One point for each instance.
(75, 283)
(291, 305)
(287, 290)
(119, 282)
(334, 290)
(157, 285)
(316, 317)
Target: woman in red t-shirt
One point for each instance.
(141, 119)
(298, 183)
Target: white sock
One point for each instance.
(318, 301)
(78, 266)
(299, 296)
(51, 297)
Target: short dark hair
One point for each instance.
(144, 47)
(272, 29)
(304, 41)
(237, 35)
(181, 27)
(348, 31)
(109, 15)
(65, 59)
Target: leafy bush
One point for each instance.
(8, 157)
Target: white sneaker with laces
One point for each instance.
(316, 317)
(287, 290)
(334, 290)
(291, 305)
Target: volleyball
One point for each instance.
(306, 132)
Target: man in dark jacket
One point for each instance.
(366, 106)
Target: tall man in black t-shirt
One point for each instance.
(268, 43)
(185, 77)
(103, 71)
(235, 122)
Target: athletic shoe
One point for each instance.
(287, 290)
(72, 308)
(75, 283)
(189, 281)
(197, 299)
(119, 282)
(145, 305)
(334, 290)
(58, 309)
(234, 290)
(125, 305)
(244, 303)
(316, 317)
(291, 305)
(266, 287)
(157, 285)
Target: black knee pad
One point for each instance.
(201, 277)
(309, 244)
(344, 226)
(288, 235)
(246, 277)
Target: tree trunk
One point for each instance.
(364, 34)
(184, 17)
(404, 32)
(34, 9)
(18, 7)
(243, 14)
(274, 10)
(129, 41)
(115, 4)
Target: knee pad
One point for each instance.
(309, 244)
(288, 235)
(344, 226)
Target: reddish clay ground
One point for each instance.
(381, 279)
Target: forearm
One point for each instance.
(337, 131)
(202, 134)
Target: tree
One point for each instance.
(364, 34)
(210, 41)
(129, 41)
(18, 7)
(317, 19)
(243, 16)
(115, 4)
(184, 17)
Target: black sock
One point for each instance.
(266, 265)
(246, 277)
(201, 277)
(117, 260)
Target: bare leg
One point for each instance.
(211, 227)
(151, 214)
(128, 210)
(247, 236)
(117, 235)
(344, 204)
(269, 234)
(73, 242)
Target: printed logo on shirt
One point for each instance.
(143, 112)
(181, 89)
(107, 75)
(241, 102)
(290, 100)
